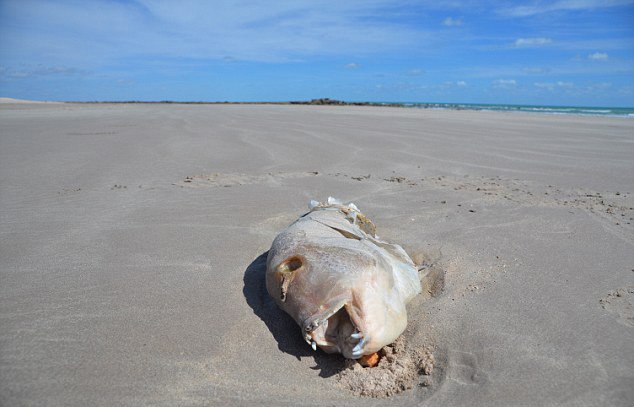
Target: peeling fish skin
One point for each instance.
(346, 288)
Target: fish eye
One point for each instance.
(291, 264)
(285, 270)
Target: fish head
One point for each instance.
(337, 309)
(317, 300)
(345, 288)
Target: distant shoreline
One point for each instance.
(627, 112)
(316, 102)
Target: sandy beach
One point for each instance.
(133, 239)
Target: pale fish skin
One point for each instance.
(346, 288)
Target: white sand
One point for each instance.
(123, 282)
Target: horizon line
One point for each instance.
(318, 101)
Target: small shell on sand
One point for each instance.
(370, 360)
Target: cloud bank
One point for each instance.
(598, 56)
(540, 7)
(523, 42)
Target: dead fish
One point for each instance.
(344, 286)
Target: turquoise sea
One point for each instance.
(558, 110)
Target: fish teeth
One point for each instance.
(357, 351)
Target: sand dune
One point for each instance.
(133, 239)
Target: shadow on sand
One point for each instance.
(285, 331)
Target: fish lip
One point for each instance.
(329, 344)
(314, 322)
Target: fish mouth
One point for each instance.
(335, 331)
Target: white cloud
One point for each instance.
(40, 70)
(88, 33)
(542, 85)
(598, 56)
(415, 72)
(352, 65)
(504, 83)
(626, 90)
(461, 83)
(125, 82)
(599, 86)
(561, 5)
(452, 22)
(554, 85)
(531, 42)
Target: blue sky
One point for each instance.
(560, 52)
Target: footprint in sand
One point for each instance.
(463, 368)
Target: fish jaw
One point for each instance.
(378, 311)
(326, 311)
(334, 331)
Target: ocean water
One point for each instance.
(562, 110)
